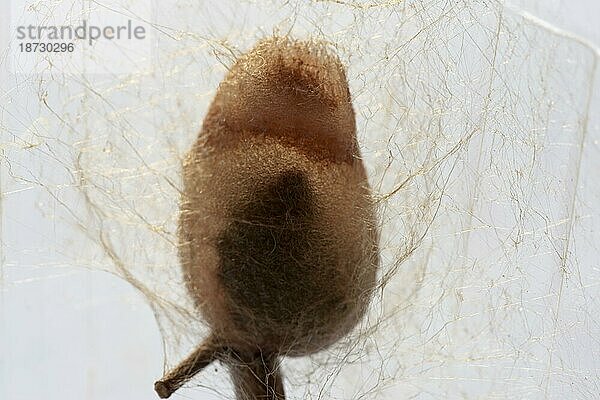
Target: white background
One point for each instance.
(67, 332)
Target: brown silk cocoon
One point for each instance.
(278, 238)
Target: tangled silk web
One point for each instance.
(473, 120)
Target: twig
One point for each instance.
(205, 354)
(257, 377)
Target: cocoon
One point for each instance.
(278, 233)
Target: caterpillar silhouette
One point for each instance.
(278, 233)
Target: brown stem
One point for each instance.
(206, 353)
(256, 377)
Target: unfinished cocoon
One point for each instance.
(278, 239)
